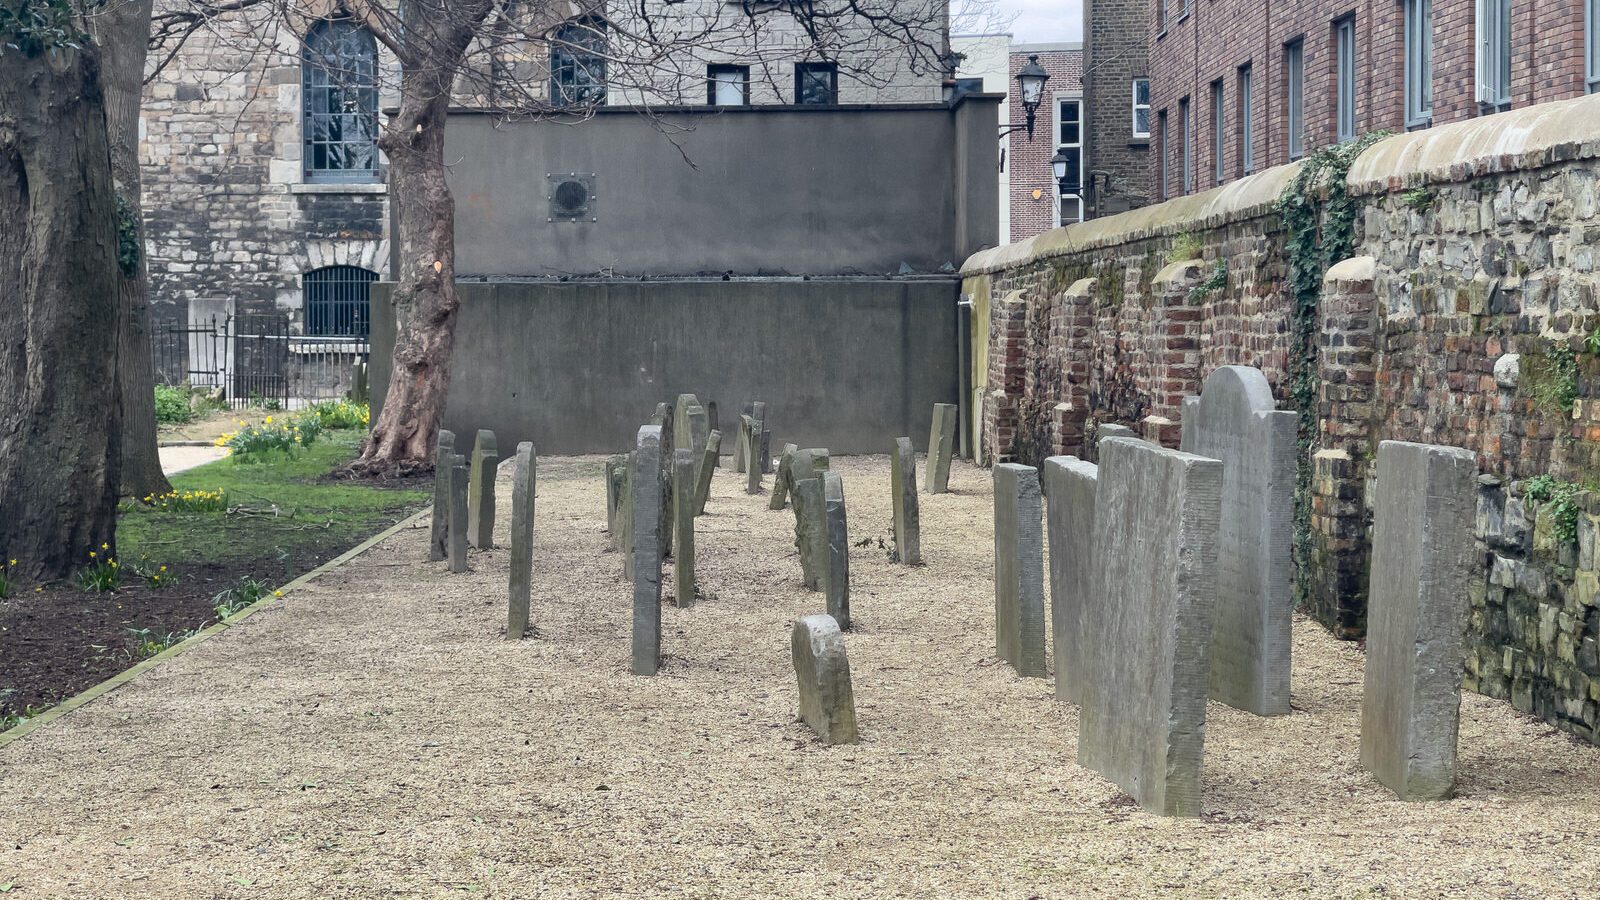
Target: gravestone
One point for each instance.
(663, 417)
(616, 489)
(1069, 483)
(713, 423)
(941, 447)
(1423, 557)
(690, 425)
(1143, 720)
(683, 489)
(708, 465)
(1236, 420)
(827, 702)
(458, 513)
(807, 463)
(907, 518)
(838, 558)
(766, 453)
(443, 459)
(524, 479)
(811, 530)
(780, 481)
(750, 432)
(1104, 431)
(1019, 569)
(646, 494)
(740, 447)
(480, 492)
(625, 518)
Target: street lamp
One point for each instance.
(1030, 80)
(1058, 165)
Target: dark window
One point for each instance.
(1161, 154)
(336, 301)
(578, 63)
(1294, 63)
(965, 86)
(1247, 123)
(1185, 123)
(339, 74)
(1345, 33)
(1419, 63)
(728, 85)
(816, 84)
(1218, 133)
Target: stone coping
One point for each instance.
(194, 640)
(1527, 138)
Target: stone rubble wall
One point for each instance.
(1464, 318)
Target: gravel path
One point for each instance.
(374, 736)
(177, 459)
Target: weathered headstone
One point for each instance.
(811, 530)
(524, 480)
(708, 465)
(739, 439)
(616, 490)
(1105, 431)
(691, 425)
(360, 381)
(907, 518)
(838, 559)
(1236, 420)
(663, 418)
(443, 460)
(807, 463)
(625, 518)
(683, 488)
(1143, 720)
(713, 423)
(458, 513)
(1423, 557)
(751, 430)
(646, 494)
(827, 701)
(941, 447)
(766, 453)
(780, 481)
(1069, 482)
(480, 492)
(1019, 569)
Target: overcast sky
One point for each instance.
(1042, 21)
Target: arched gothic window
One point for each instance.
(578, 63)
(339, 73)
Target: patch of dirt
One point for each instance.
(403, 481)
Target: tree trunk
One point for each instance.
(60, 446)
(122, 31)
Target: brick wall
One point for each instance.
(1216, 37)
(1114, 54)
(1029, 158)
(1468, 315)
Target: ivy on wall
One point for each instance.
(1318, 217)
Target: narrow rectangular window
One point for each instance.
(1218, 133)
(1419, 63)
(1141, 106)
(1161, 154)
(1247, 124)
(1069, 143)
(728, 85)
(1187, 125)
(1591, 45)
(1294, 73)
(1494, 54)
(1345, 39)
(816, 84)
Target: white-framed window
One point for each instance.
(1294, 78)
(1186, 127)
(1247, 122)
(1419, 63)
(1344, 33)
(1069, 142)
(1141, 105)
(1219, 133)
(1494, 54)
(1591, 45)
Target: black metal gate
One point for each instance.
(260, 375)
(245, 357)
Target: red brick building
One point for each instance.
(1241, 85)
(1036, 206)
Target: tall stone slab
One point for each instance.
(1143, 721)
(443, 460)
(524, 480)
(663, 417)
(907, 517)
(750, 429)
(941, 447)
(480, 491)
(459, 479)
(1236, 420)
(616, 489)
(1069, 483)
(1019, 569)
(683, 488)
(811, 531)
(691, 425)
(625, 519)
(708, 465)
(808, 463)
(646, 494)
(838, 558)
(765, 457)
(739, 439)
(1104, 431)
(780, 481)
(827, 700)
(1423, 557)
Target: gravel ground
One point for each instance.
(374, 736)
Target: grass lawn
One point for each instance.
(284, 517)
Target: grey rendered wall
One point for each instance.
(749, 190)
(576, 367)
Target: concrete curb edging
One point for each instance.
(118, 680)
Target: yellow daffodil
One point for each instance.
(105, 546)
(93, 554)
